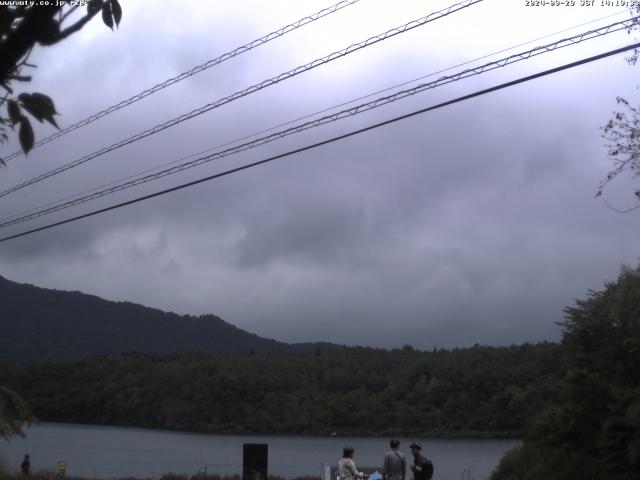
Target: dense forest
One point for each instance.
(480, 391)
(592, 430)
(575, 404)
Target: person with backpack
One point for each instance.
(422, 468)
(394, 466)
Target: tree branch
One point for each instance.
(65, 15)
(630, 209)
(73, 28)
(23, 62)
(24, 37)
(20, 78)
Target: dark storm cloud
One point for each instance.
(474, 223)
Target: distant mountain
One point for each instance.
(38, 323)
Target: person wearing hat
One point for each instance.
(422, 468)
(394, 466)
(347, 468)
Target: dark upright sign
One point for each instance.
(255, 461)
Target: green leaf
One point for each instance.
(14, 111)
(40, 106)
(33, 111)
(45, 102)
(106, 15)
(93, 6)
(116, 9)
(14, 413)
(52, 121)
(46, 107)
(25, 134)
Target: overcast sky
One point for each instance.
(474, 223)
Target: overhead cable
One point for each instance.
(364, 107)
(193, 71)
(298, 119)
(254, 88)
(330, 140)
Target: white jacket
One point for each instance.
(347, 469)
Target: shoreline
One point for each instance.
(466, 435)
(51, 475)
(114, 452)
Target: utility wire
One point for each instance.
(254, 88)
(331, 140)
(574, 40)
(310, 115)
(194, 71)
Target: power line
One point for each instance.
(194, 71)
(290, 122)
(574, 40)
(331, 140)
(254, 88)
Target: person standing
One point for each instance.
(395, 463)
(422, 468)
(25, 466)
(347, 468)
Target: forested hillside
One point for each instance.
(480, 391)
(39, 323)
(592, 430)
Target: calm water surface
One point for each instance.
(108, 452)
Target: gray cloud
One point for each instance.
(474, 223)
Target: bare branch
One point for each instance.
(20, 78)
(23, 62)
(64, 16)
(617, 210)
(73, 28)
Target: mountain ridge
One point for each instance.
(44, 323)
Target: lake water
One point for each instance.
(108, 452)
